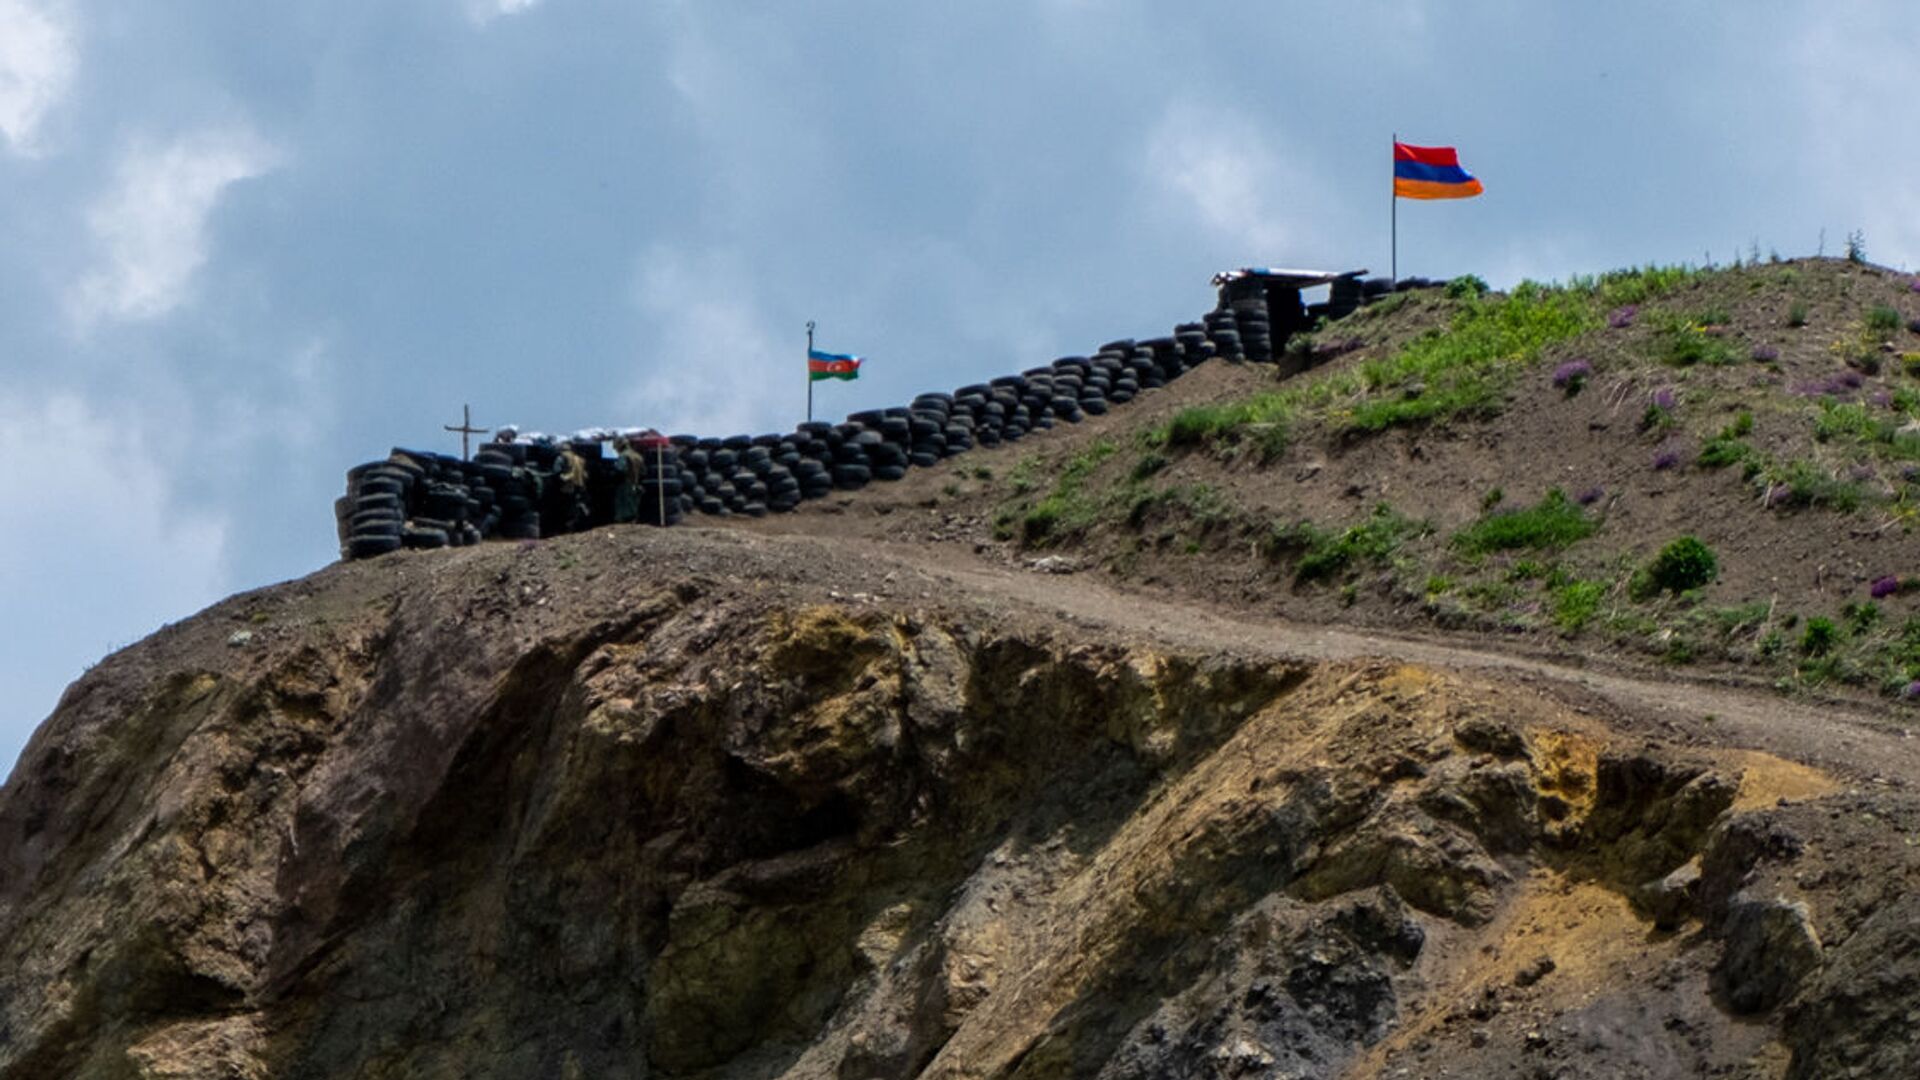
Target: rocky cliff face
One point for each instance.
(648, 806)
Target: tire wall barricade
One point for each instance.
(511, 491)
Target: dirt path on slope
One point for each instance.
(1866, 744)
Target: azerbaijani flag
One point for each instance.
(1430, 172)
(827, 365)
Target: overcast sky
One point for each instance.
(245, 246)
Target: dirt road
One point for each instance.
(1857, 740)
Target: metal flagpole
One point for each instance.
(809, 371)
(1393, 274)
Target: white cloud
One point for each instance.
(1223, 173)
(95, 551)
(485, 11)
(719, 370)
(37, 62)
(1852, 80)
(151, 227)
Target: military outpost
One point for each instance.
(527, 487)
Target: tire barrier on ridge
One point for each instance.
(512, 491)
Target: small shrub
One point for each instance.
(1819, 636)
(1857, 247)
(1797, 314)
(1684, 564)
(1494, 497)
(1883, 319)
(1466, 287)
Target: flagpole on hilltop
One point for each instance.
(1393, 273)
(809, 371)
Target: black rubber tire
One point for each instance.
(366, 547)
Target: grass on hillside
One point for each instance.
(1466, 369)
(1780, 378)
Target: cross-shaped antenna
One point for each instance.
(465, 429)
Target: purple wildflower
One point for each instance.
(1881, 398)
(1860, 472)
(1851, 379)
(1663, 398)
(1884, 587)
(1910, 473)
(1572, 375)
(1591, 495)
(1622, 317)
(1912, 691)
(1914, 284)
(1667, 458)
(1765, 354)
(1779, 495)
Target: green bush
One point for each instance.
(1883, 319)
(1466, 287)
(1683, 564)
(1819, 637)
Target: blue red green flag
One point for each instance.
(1431, 172)
(826, 365)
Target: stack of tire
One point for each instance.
(372, 515)
(1256, 331)
(515, 499)
(852, 468)
(429, 500)
(1224, 331)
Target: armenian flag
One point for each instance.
(1430, 172)
(826, 365)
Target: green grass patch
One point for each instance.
(1555, 522)
(1200, 505)
(1802, 483)
(1263, 421)
(1729, 446)
(1879, 433)
(1069, 507)
(1883, 319)
(1575, 603)
(1323, 554)
(1685, 342)
(1463, 369)
(1634, 286)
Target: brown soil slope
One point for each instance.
(1771, 411)
(708, 803)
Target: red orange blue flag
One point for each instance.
(1430, 172)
